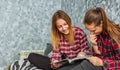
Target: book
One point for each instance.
(70, 61)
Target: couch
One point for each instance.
(24, 64)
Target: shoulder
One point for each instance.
(78, 30)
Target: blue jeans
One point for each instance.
(84, 65)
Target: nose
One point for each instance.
(63, 27)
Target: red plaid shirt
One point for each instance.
(81, 44)
(110, 52)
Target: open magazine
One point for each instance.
(64, 61)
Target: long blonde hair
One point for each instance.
(97, 15)
(56, 34)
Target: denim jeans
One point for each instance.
(84, 65)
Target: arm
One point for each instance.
(56, 56)
(113, 63)
(95, 49)
(110, 64)
(107, 64)
(93, 39)
(85, 48)
(84, 43)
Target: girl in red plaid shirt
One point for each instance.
(68, 42)
(105, 39)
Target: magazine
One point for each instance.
(64, 61)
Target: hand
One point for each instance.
(80, 54)
(95, 61)
(55, 65)
(93, 39)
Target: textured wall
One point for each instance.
(77, 8)
(25, 24)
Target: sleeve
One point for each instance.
(110, 64)
(114, 62)
(84, 43)
(56, 56)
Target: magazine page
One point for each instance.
(74, 59)
(78, 58)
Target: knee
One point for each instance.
(85, 63)
(31, 55)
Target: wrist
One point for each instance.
(94, 44)
(95, 48)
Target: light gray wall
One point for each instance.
(77, 8)
(26, 24)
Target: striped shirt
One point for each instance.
(81, 44)
(110, 52)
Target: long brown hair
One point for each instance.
(97, 15)
(56, 34)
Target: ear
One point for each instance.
(101, 22)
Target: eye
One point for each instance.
(65, 24)
(59, 26)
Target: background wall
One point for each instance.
(26, 24)
(77, 8)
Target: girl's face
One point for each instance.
(62, 26)
(94, 29)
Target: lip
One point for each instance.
(66, 31)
